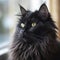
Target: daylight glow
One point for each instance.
(35, 4)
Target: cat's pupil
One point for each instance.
(22, 25)
(33, 24)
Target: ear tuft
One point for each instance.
(43, 11)
(23, 11)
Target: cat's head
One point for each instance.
(36, 24)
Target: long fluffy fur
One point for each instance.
(44, 47)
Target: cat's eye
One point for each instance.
(22, 25)
(33, 24)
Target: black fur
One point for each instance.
(38, 42)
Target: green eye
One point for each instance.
(22, 25)
(33, 24)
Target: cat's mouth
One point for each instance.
(31, 36)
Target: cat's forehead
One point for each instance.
(30, 16)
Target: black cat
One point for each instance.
(35, 37)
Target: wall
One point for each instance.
(55, 11)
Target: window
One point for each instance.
(4, 30)
(6, 25)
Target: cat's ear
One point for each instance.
(43, 11)
(23, 10)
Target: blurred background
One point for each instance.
(8, 18)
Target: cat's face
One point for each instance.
(35, 24)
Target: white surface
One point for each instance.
(4, 48)
(3, 51)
